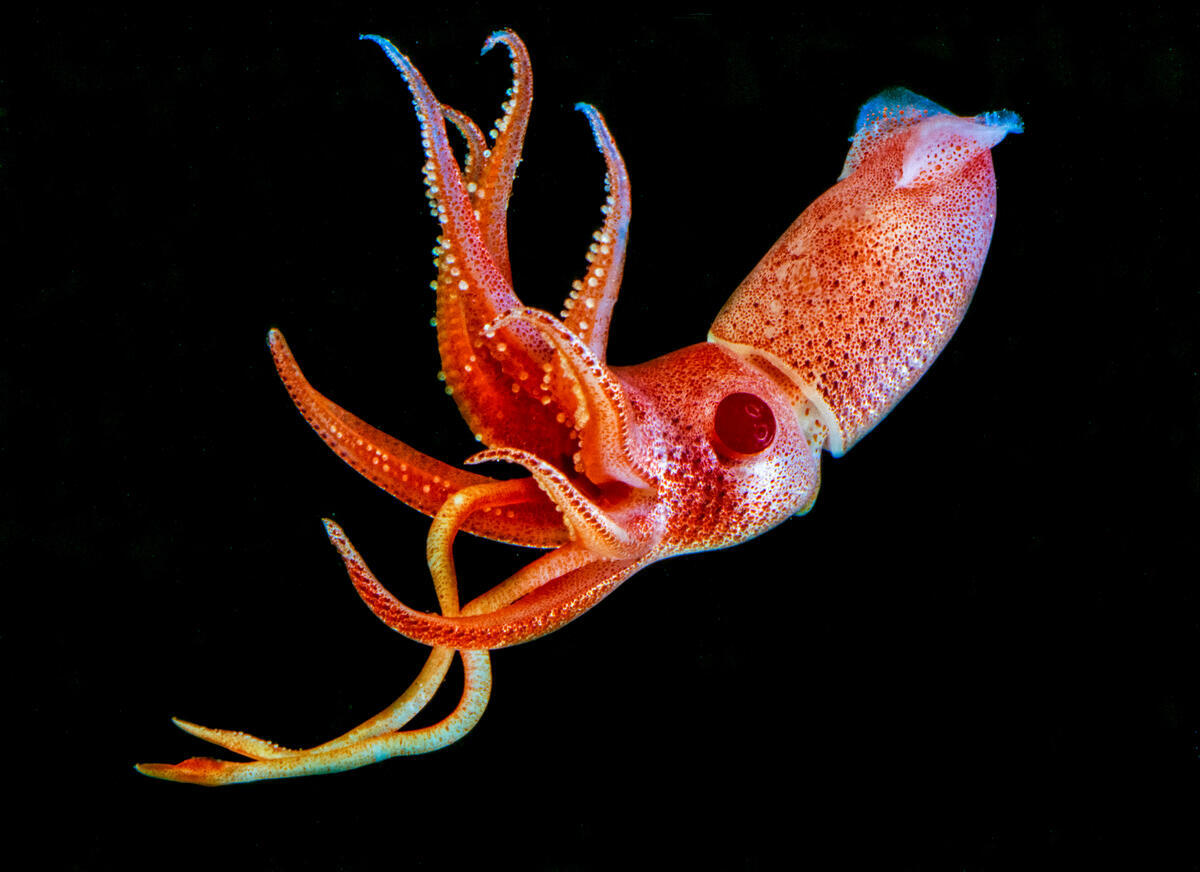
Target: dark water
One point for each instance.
(980, 651)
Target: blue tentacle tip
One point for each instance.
(490, 42)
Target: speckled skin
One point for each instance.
(708, 500)
(626, 465)
(864, 290)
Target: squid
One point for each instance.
(623, 466)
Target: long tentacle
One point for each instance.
(409, 475)
(453, 516)
(476, 691)
(449, 519)
(395, 716)
(392, 718)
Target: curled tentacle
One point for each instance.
(603, 533)
(554, 598)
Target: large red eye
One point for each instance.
(744, 424)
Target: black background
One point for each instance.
(980, 649)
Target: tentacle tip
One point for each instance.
(495, 37)
(339, 540)
(194, 770)
(149, 769)
(394, 54)
(281, 353)
(164, 771)
(191, 729)
(334, 531)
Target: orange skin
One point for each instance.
(696, 450)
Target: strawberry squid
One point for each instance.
(700, 449)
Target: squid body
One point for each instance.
(699, 449)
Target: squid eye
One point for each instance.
(744, 424)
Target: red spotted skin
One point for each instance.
(705, 498)
(866, 287)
